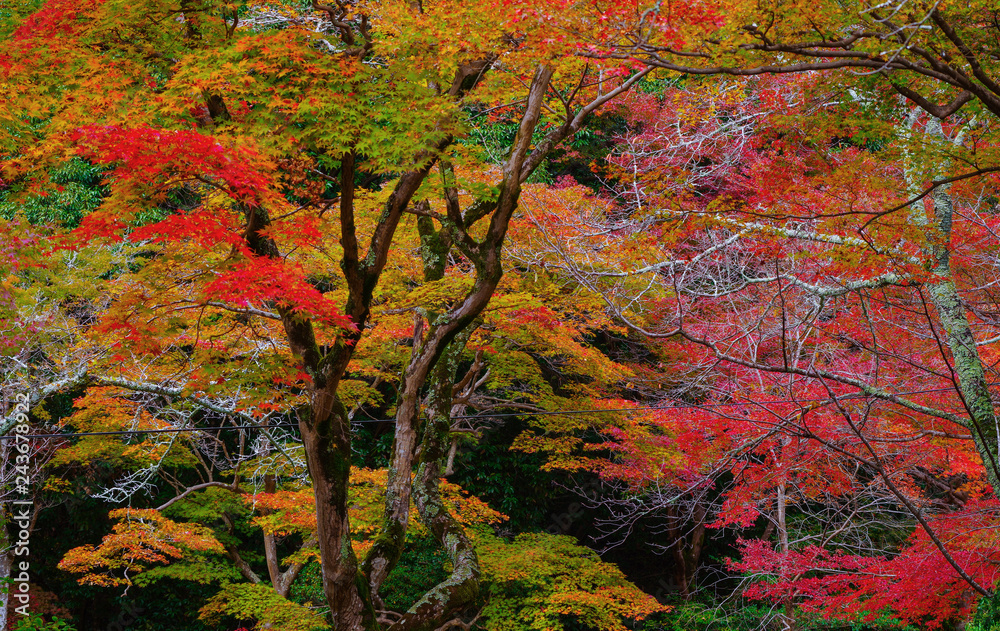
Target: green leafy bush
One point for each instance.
(549, 582)
(35, 622)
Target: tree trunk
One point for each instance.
(462, 586)
(788, 618)
(280, 581)
(327, 444)
(388, 545)
(5, 564)
(442, 329)
(959, 337)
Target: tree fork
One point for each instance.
(461, 588)
(442, 329)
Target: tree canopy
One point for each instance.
(709, 284)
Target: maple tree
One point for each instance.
(936, 57)
(286, 207)
(157, 460)
(146, 547)
(269, 129)
(43, 305)
(835, 329)
(146, 462)
(924, 52)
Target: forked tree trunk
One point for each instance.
(486, 257)
(461, 588)
(280, 581)
(688, 539)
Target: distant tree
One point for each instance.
(833, 316)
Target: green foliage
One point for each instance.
(35, 622)
(548, 582)
(661, 83)
(987, 616)
(710, 616)
(199, 569)
(12, 13)
(308, 587)
(261, 604)
(420, 568)
(167, 605)
(503, 478)
(209, 505)
(371, 448)
(75, 191)
(493, 141)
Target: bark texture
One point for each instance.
(461, 588)
(967, 364)
(443, 328)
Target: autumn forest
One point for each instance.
(554, 315)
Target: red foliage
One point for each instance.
(56, 19)
(918, 585)
(146, 154)
(206, 228)
(267, 280)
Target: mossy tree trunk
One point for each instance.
(960, 340)
(441, 329)
(461, 588)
